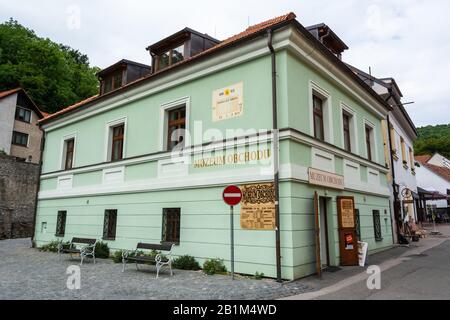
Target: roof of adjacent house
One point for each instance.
(440, 171)
(250, 33)
(4, 94)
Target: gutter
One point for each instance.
(276, 177)
(394, 188)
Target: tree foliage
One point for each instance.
(54, 75)
(433, 139)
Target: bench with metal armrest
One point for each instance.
(83, 246)
(161, 260)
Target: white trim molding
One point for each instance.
(373, 139)
(113, 175)
(108, 137)
(354, 142)
(163, 120)
(62, 152)
(64, 183)
(315, 89)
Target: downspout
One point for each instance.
(33, 243)
(276, 178)
(394, 189)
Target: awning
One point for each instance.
(431, 195)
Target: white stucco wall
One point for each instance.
(428, 180)
(7, 112)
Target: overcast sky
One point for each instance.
(405, 39)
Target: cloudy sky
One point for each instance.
(405, 39)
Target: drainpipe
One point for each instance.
(275, 154)
(393, 171)
(33, 243)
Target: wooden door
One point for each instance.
(348, 241)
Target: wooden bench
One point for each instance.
(87, 248)
(159, 259)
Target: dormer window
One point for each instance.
(120, 74)
(113, 81)
(170, 57)
(178, 47)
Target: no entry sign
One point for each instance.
(232, 195)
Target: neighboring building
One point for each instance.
(20, 135)
(148, 161)
(433, 175)
(19, 181)
(399, 132)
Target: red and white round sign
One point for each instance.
(232, 195)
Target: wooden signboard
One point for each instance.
(258, 207)
(348, 242)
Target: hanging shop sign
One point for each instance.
(228, 102)
(258, 207)
(325, 179)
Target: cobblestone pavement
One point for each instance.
(26, 273)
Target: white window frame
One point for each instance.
(164, 119)
(62, 159)
(354, 144)
(315, 89)
(108, 137)
(373, 140)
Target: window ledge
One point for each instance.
(378, 239)
(108, 239)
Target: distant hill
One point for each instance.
(433, 139)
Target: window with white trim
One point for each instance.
(116, 139)
(320, 113)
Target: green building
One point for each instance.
(116, 168)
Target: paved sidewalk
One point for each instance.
(26, 273)
(419, 271)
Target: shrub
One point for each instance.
(50, 247)
(117, 256)
(102, 250)
(186, 262)
(213, 266)
(258, 276)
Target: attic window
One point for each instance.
(112, 81)
(170, 57)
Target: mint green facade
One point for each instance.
(144, 189)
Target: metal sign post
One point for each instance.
(232, 195)
(232, 241)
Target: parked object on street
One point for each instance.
(87, 248)
(160, 259)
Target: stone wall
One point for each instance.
(18, 186)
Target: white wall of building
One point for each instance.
(7, 114)
(428, 180)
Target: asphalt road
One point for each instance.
(423, 276)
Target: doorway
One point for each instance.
(324, 241)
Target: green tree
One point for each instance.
(433, 139)
(53, 74)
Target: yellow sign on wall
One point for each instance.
(258, 207)
(228, 102)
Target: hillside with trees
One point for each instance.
(433, 139)
(54, 75)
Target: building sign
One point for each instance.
(258, 207)
(325, 179)
(347, 213)
(227, 102)
(234, 158)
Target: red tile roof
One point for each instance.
(4, 94)
(231, 40)
(423, 159)
(440, 171)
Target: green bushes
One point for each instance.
(186, 262)
(258, 276)
(214, 266)
(50, 247)
(102, 250)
